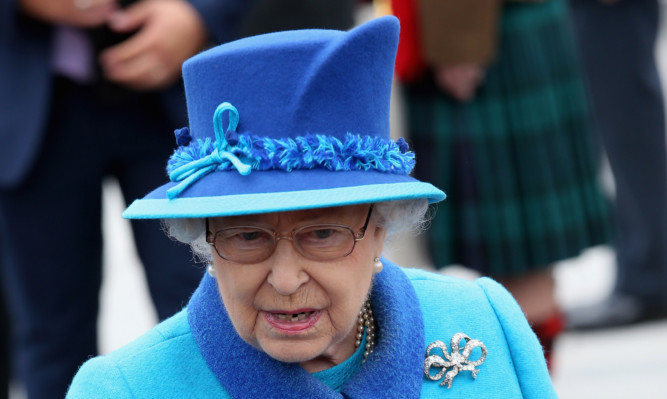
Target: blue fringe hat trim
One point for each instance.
(246, 152)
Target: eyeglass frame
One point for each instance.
(211, 238)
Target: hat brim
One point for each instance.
(229, 193)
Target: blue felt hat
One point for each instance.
(286, 121)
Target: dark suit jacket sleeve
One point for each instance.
(223, 18)
(25, 78)
(7, 10)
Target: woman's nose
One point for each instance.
(287, 273)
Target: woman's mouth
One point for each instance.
(293, 317)
(292, 322)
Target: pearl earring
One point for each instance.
(377, 265)
(210, 270)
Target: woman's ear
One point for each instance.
(379, 235)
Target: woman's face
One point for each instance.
(293, 308)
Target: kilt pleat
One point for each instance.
(517, 162)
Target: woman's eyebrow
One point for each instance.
(302, 218)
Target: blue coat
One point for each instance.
(26, 79)
(197, 353)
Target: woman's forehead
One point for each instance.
(339, 214)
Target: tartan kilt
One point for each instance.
(518, 162)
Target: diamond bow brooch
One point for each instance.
(458, 360)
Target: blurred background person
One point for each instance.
(92, 89)
(617, 39)
(70, 105)
(497, 111)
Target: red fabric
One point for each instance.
(410, 64)
(547, 332)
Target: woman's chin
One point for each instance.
(293, 352)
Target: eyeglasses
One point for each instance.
(252, 244)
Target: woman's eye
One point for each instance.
(250, 235)
(321, 236)
(323, 233)
(244, 236)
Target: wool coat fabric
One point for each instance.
(197, 353)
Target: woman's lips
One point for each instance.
(292, 322)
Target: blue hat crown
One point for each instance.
(321, 99)
(292, 83)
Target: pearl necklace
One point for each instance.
(366, 321)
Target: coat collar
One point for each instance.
(394, 368)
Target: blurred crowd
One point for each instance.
(511, 106)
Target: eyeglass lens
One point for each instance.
(253, 244)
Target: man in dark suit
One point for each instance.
(88, 90)
(617, 40)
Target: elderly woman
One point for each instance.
(290, 194)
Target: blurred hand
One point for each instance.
(79, 13)
(460, 81)
(168, 33)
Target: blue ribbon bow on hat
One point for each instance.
(224, 141)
